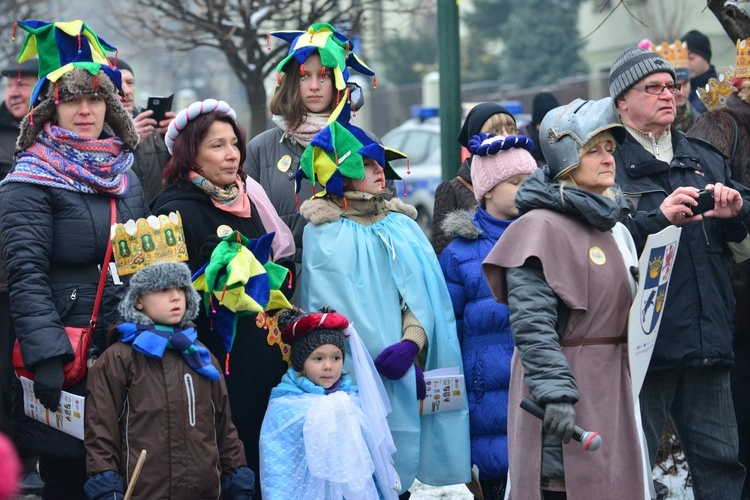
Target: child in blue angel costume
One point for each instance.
(321, 439)
(367, 257)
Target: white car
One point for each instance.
(420, 140)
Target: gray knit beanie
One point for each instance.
(632, 66)
(153, 279)
(76, 83)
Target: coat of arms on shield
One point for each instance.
(660, 263)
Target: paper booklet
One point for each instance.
(69, 415)
(445, 391)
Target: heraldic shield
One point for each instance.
(660, 263)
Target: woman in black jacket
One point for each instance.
(206, 184)
(75, 153)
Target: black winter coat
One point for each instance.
(255, 366)
(697, 326)
(53, 241)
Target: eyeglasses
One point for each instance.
(658, 89)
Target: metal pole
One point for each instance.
(450, 87)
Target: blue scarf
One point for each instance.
(152, 340)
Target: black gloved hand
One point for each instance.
(48, 381)
(208, 247)
(560, 420)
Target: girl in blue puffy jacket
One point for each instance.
(499, 166)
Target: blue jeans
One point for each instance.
(699, 400)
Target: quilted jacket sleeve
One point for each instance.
(533, 317)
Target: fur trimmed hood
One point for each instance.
(76, 83)
(460, 224)
(321, 210)
(155, 278)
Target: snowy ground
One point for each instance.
(678, 489)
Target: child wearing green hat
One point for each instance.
(367, 257)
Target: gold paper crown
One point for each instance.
(717, 91)
(143, 242)
(676, 53)
(742, 61)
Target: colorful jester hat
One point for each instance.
(335, 52)
(338, 151)
(240, 279)
(62, 47)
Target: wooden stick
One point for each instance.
(136, 473)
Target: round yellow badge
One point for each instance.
(284, 163)
(597, 256)
(223, 231)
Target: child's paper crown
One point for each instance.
(717, 91)
(335, 51)
(338, 151)
(677, 55)
(140, 243)
(62, 47)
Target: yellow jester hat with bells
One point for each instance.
(238, 280)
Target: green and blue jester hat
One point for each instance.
(335, 52)
(72, 62)
(62, 47)
(240, 279)
(339, 151)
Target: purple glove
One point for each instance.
(421, 386)
(395, 360)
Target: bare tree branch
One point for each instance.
(12, 11)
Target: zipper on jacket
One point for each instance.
(74, 294)
(191, 398)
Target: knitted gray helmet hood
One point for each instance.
(153, 279)
(76, 83)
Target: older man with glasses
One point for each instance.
(661, 171)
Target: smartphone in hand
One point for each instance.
(705, 202)
(160, 105)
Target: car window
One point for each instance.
(418, 146)
(394, 140)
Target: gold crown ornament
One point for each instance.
(140, 243)
(717, 91)
(742, 60)
(677, 55)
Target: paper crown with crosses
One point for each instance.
(140, 243)
(335, 52)
(717, 91)
(62, 47)
(337, 152)
(677, 55)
